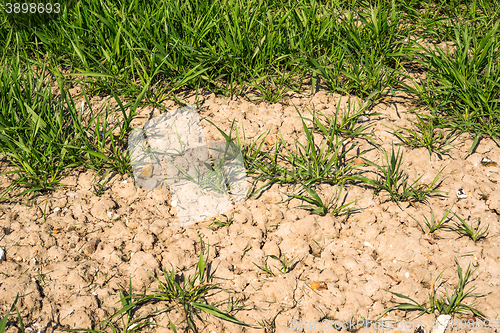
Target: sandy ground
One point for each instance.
(69, 265)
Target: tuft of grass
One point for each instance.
(392, 179)
(425, 136)
(345, 125)
(44, 136)
(433, 224)
(187, 294)
(312, 162)
(462, 88)
(473, 232)
(190, 293)
(130, 303)
(228, 220)
(265, 267)
(286, 265)
(4, 320)
(451, 304)
(334, 205)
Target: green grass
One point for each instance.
(334, 205)
(462, 89)
(323, 158)
(45, 136)
(286, 264)
(425, 136)
(450, 304)
(4, 321)
(142, 53)
(187, 294)
(433, 224)
(148, 52)
(473, 232)
(392, 179)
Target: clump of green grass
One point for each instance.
(286, 265)
(191, 293)
(365, 52)
(473, 232)
(44, 137)
(187, 294)
(425, 136)
(451, 304)
(433, 224)
(462, 88)
(346, 125)
(128, 322)
(310, 163)
(392, 179)
(334, 205)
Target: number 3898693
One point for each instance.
(32, 8)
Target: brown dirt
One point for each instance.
(69, 265)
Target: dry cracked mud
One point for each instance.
(72, 251)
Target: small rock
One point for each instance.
(363, 119)
(321, 285)
(441, 322)
(488, 163)
(91, 246)
(461, 194)
(146, 172)
(2, 254)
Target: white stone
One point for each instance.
(441, 323)
(363, 119)
(2, 254)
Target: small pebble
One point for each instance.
(363, 119)
(2, 254)
(174, 203)
(461, 194)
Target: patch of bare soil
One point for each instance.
(71, 252)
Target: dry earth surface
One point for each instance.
(70, 253)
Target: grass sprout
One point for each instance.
(392, 179)
(473, 232)
(426, 136)
(334, 205)
(433, 224)
(286, 265)
(4, 320)
(450, 304)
